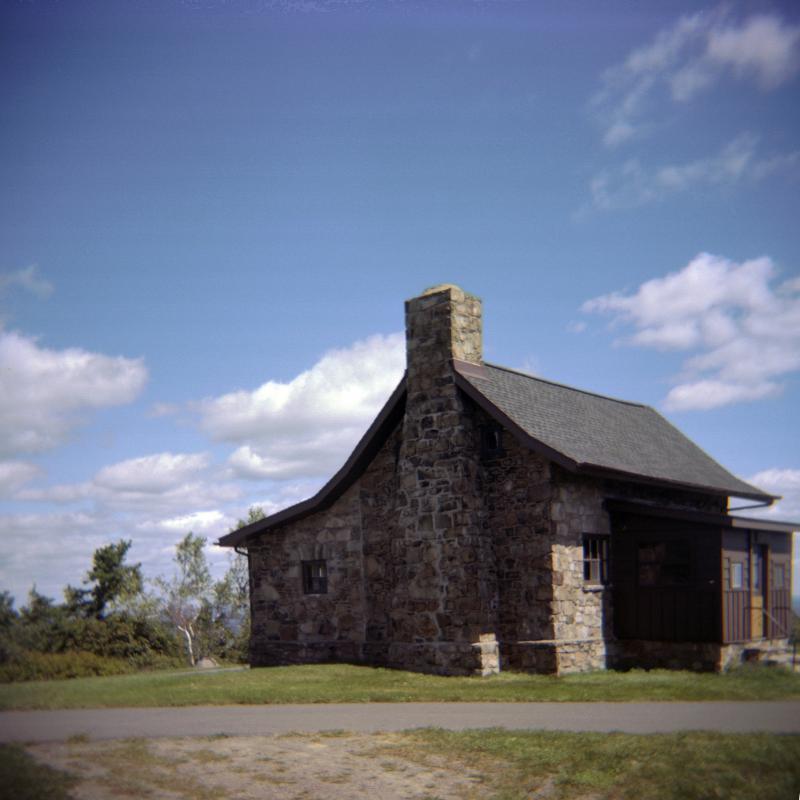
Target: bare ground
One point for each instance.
(293, 767)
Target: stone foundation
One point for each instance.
(437, 658)
(639, 654)
(764, 651)
(276, 654)
(700, 656)
(554, 657)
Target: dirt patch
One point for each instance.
(295, 767)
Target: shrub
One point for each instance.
(31, 666)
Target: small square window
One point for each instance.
(595, 558)
(737, 575)
(315, 577)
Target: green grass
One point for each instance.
(23, 778)
(681, 766)
(343, 683)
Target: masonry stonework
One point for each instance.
(449, 557)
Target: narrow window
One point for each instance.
(491, 441)
(757, 567)
(315, 577)
(737, 575)
(778, 576)
(595, 558)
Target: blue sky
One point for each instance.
(211, 214)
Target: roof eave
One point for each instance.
(728, 491)
(701, 517)
(363, 453)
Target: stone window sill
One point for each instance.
(596, 587)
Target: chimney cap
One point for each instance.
(445, 287)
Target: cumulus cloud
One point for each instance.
(27, 279)
(14, 475)
(741, 333)
(633, 184)
(197, 521)
(151, 474)
(51, 550)
(162, 483)
(48, 550)
(690, 57)
(43, 391)
(786, 484)
(308, 426)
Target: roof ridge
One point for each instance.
(567, 386)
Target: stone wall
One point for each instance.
(441, 557)
(582, 614)
(289, 626)
(516, 489)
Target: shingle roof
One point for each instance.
(590, 432)
(583, 432)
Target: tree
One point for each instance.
(254, 514)
(114, 582)
(238, 586)
(188, 593)
(8, 614)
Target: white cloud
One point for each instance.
(14, 475)
(152, 474)
(49, 550)
(163, 410)
(742, 334)
(690, 57)
(308, 426)
(28, 279)
(54, 549)
(162, 484)
(197, 521)
(763, 47)
(633, 185)
(42, 390)
(786, 484)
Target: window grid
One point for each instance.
(315, 577)
(595, 558)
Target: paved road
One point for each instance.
(120, 723)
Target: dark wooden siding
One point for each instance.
(665, 576)
(736, 610)
(772, 608)
(779, 593)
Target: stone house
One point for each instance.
(489, 519)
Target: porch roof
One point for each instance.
(703, 517)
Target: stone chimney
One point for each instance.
(442, 552)
(443, 323)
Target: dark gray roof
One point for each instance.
(583, 432)
(589, 432)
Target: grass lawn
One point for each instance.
(344, 683)
(681, 766)
(23, 778)
(430, 763)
